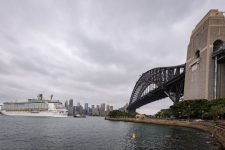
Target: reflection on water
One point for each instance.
(96, 133)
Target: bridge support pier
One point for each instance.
(175, 92)
(173, 96)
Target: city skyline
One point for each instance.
(83, 109)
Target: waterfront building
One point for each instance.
(95, 112)
(78, 110)
(75, 112)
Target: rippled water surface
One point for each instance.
(95, 133)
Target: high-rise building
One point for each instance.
(66, 104)
(107, 108)
(86, 106)
(102, 109)
(98, 107)
(86, 110)
(71, 103)
(111, 108)
(92, 109)
(70, 109)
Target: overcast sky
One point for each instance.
(92, 51)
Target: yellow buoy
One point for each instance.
(133, 136)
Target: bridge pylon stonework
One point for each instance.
(205, 63)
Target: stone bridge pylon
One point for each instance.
(205, 63)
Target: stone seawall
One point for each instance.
(216, 130)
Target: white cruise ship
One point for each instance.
(35, 107)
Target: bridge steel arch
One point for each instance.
(156, 84)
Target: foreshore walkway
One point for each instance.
(217, 129)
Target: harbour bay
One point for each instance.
(96, 133)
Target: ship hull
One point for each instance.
(31, 114)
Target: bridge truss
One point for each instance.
(156, 84)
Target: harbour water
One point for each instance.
(95, 133)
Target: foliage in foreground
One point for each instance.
(193, 109)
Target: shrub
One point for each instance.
(193, 109)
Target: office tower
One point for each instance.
(70, 109)
(111, 108)
(98, 107)
(86, 106)
(66, 104)
(71, 103)
(86, 110)
(107, 108)
(102, 109)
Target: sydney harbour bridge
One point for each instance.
(156, 84)
(201, 77)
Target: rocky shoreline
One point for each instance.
(218, 131)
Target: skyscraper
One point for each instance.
(86, 106)
(111, 108)
(70, 109)
(98, 107)
(71, 103)
(66, 104)
(86, 110)
(102, 109)
(107, 108)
